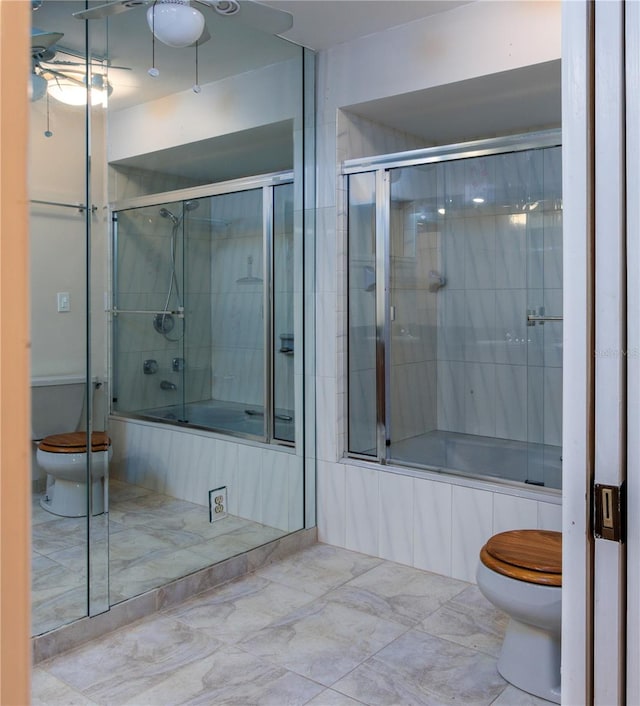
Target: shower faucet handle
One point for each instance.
(178, 365)
(150, 367)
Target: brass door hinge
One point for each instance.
(609, 521)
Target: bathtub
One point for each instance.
(227, 417)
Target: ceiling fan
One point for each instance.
(48, 71)
(179, 23)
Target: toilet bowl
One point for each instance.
(520, 572)
(63, 457)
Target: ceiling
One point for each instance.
(233, 49)
(321, 24)
(523, 99)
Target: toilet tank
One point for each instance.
(56, 404)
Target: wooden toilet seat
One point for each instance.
(75, 442)
(534, 556)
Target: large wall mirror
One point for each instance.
(171, 258)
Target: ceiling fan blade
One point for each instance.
(59, 74)
(41, 41)
(253, 14)
(100, 64)
(111, 8)
(263, 17)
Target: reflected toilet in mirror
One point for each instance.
(56, 409)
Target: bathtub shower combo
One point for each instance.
(203, 324)
(455, 309)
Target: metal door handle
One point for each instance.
(534, 318)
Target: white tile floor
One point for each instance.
(324, 627)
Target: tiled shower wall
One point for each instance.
(497, 376)
(144, 271)
(237, 317)
(237, 305)
(144, 274)
(222, 290)
(463, 358)
(414, 251)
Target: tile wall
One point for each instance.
(144, 275)
(221, 286)
(497, 376)
(144, 280)
(237, 353)
(263, 484)
(414, 250)
(436, 525)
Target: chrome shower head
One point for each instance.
(190, 205)
(166, 213)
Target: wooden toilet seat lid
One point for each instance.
(75, 442)
(534, 556)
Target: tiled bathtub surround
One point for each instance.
(437, 524)
(264, 483)
(323, 627)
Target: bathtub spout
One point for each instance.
(166, 385)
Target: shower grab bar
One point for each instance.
(532, 317)
(79, 206)
(174, 312)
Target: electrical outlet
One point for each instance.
(217, 503)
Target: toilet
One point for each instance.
(520, 572)
(56, 410)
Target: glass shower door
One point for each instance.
(363, 387)
(237, 317)
(541, 217)
(149, 322)
(456, 363)
(414, 281)
(283, 341)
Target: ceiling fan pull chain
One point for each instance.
(47, 132)
(153, 72)
(196, 85)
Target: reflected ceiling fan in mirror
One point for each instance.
(66, 79)
(180, 23)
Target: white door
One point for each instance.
(598, 371)
(632, 98)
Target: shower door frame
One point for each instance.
(267, 183)
(381, 165)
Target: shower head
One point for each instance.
(166, 213)
(190, 205)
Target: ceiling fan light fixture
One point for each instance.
(175, 23)
(72, 92)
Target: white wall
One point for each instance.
(58, 246)
(267, 95)
(58, 251)
(436, 524)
